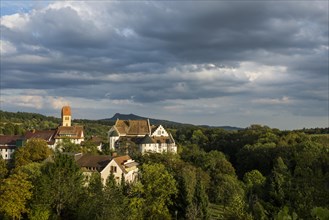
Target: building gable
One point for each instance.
(159, 132)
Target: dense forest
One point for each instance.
(254, 173)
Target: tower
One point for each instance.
(66, 116)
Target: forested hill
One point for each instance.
(166, 123)
(19, 122)
(254, 173)
(153, 121)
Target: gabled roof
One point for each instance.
(96, 139)
(147, 140)
(113, 132)
(96, 161)
(121, 160)
(154, 128)
(9, 141)
(133, 127)
(72, 132)
(46, 135)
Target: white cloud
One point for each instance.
(277, 101)
(15, 21)
(57, 102)
(7, 48)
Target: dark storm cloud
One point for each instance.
(157, 51)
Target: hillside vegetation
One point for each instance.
(254, 173)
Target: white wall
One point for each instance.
(7, 154)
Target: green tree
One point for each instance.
(199, 138)
(280, 183)
(39, 212)
(158, 186)
(59, 185)
(91, 203)
(320, 213)
(200, 199)
(35, 150)
(3, 168)
(9, 129)
(89, 147)
(65, 145)
(284, 214)
(255, 183)
(15, 191)
(136, 202)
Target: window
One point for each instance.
(67, 118)
(159, 132)
(113, 169)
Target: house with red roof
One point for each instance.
(8, 145)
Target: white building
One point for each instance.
(47, 135)
(8, 145)
(147, 138)
(105, 165)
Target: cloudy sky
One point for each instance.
(203, 62)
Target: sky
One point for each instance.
(216, 63)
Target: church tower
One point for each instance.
(66, 116)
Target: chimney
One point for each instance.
(114, 154)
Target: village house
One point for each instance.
(47, 135)
(8, 145)
(105, 165)
(147, 138)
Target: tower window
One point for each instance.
(67, 118)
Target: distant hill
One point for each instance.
(166, 123)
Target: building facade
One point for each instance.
(119, 166)
(8, 145)
(140, 133)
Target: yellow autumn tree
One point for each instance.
(15, 191)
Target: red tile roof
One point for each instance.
(95, 161)
(46, 135)
(66, 110)
(121, 160)
(9, 140)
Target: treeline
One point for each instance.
(256, 173)
(20, 122)
(276, 172)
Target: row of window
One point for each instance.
(8, 150)
(6, 156)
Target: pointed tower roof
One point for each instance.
(66, 110)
